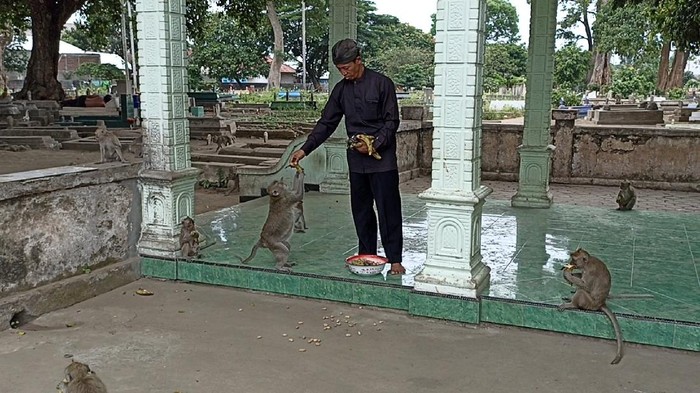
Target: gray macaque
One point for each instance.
(627, 196)
(189, 239)
(80, 379)
(279, 226)
(299, 220)
(110, 147)
(592, 289)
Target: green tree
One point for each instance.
(501, 22)
(47, 21)
(571, 67)
(504, 65)
(627, 80)
(316, 36)
(228, 49)
(94, 71)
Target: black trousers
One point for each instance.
(381, 188)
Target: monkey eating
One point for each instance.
(279, 225)
(189, 239)
(110, 147)
(627, 196)
(80, 379)
(592, 289)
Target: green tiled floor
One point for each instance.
(648, 253)
(651, 253)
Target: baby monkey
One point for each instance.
(80, 379)
(627, 196)
(592, 289)
(279, 225)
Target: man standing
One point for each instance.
(368, 101)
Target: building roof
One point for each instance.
(65, 48)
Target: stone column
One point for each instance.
(535, 152)
(167, 178)
(343, 25)
(456, 196)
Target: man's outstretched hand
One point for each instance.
(296, 157)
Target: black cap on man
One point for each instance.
(345, 51)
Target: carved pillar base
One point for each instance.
(533, 186)
(337, 177)
(166, 198)
(453, 265)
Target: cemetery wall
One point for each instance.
(66, 224)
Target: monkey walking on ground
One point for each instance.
(80, 379)
(110, 147)
(592, 289)
(627, 196)
(279, 226)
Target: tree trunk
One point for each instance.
(680, 60)
(48, 18)
(662, 75)
(5, 40)
(601, 74)
(275, 75)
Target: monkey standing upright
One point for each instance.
(279, 225)
(592, 289)
(80, 379)
(299, 219)
(627, 196)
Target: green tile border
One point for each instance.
(159, 268)
(635, 329)
(449, 308)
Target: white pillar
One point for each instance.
(456, 197)
(343, 24)
(167, 178)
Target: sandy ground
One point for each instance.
(190, 338)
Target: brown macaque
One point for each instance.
(189, 239)
(592, 289)
(299, 220)
(110, 147)
(627, 196)
(80, 379)
(279, 225)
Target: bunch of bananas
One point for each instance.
(358, 140)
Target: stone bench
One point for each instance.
(35, 142)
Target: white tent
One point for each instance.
(65, 48)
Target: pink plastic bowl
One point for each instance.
(373, 264)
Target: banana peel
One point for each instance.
(298, 168)
(367, 140)
(569, 266)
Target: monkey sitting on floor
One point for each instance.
(80, 379)
(279, 225)
(627, 196)
(592, 289)
(110, 147)
(189, 239)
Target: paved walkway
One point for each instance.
(204, 339)
(584, 195)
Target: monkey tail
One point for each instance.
(252, 253)
(618, 333)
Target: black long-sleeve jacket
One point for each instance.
(370, 107)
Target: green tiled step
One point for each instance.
(652, 331)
